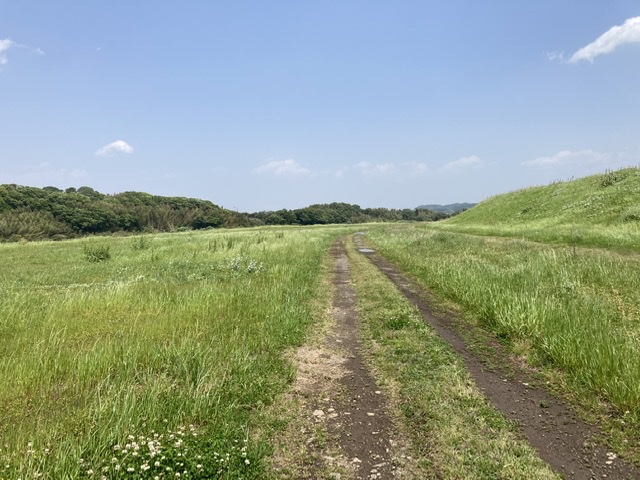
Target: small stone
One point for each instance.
(318, 413)
(371, 414)
(356, 460)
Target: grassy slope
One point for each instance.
(573, 311)
(600, 210)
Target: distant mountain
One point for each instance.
(451, 208)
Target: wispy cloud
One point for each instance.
(284, 168)
(384, 169)
(43, 174)
(376, 169)
(462, 164)
(119, 146)
(6, 44)
(628, 32)
(555, 56)
(568, 157)
(339, 173)
(416, 168)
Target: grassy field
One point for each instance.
(155, 355)
(576, 311)
(151, 355)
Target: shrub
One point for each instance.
(99, 253)
(140, 243)
(609, 178)
(631, 215)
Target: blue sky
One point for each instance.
(281, 104)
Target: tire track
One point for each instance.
(365, 431)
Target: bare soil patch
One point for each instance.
(564, 441)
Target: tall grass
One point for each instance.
(174, 336)
(576, 310)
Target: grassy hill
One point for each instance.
(599, 210)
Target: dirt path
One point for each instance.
(560, 438)
(339, 423)
(362, 425)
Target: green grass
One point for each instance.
(163, 351)
(600, 210)
(454, 431)
(575, 311)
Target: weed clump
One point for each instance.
(240, 264)
(98, 253)
(609, 178)
(176, 454)
(181, 453)
(140, 243)
(631, 215)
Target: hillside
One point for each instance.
(575, 211)
(50, 213)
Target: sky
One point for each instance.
(282, 104)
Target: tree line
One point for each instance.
(32, 213)
(323, 214)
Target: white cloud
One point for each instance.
(416, 168)
(555, 56)
(340, 172)
(282, 168)
(628, 32)
(464, 163)
(119, 146)
(377, 169)
(5, 45)
(568, 157)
